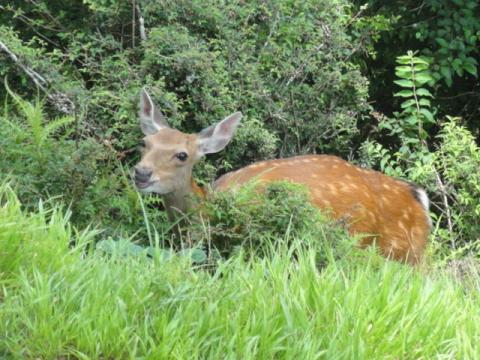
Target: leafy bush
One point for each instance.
(39, 156)
(266, 219)
(286, 65)
(203, 60)
(44, 159)
(445, 31)
(288, 57)
(458, 158)
(448, 170)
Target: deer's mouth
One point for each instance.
(143, 184)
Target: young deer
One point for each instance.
(390, 212)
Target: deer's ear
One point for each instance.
(151, 119)
(216, 137)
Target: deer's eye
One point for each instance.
(182, 156)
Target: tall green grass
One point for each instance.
(61, 301)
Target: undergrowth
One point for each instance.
(261, 220)
(69, 301)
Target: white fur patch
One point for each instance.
(423, 197)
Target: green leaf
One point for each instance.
(417, 60)
(447, 74)
(404, 59)
(385, 125)
(423, 77)
(403, 75)
(424, 102)
(411, 120)
(428, 115)
(424, 92)
(405, 83)
(408, 103)
(420, 67)
(459, 71)
(404, 93)
(472, 69)
(406, 69)
(471, 60)
(410, 110)
(457, 63)
(441, 42)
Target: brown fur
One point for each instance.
(381, 208)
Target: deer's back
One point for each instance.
(391, 212)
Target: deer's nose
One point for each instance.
(142, 174)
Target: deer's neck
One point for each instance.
(180, 201)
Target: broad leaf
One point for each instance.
(404, 93)
(424, 92)
(472, 69)
(428, 115)
(405, 83)
(408, 103)
(423, 78)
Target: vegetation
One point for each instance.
(90, 269)
(262, 221)
(282, 306)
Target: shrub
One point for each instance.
(458, 157)
(286, 65)
(40, 157)
(43, 159)
(272, 61)
(445, 31)
(203, 60)
(264, 220)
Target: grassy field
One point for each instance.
(58, 302)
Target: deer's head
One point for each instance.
(169, 155)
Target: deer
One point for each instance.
(388, 212)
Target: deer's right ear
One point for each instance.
(151, 119)
(217, 136)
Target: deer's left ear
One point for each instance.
(216, 137)
(151, 119)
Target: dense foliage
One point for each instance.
(391, 85)
(200, 61)
(447, 32)
(264, 220)
(301, 72)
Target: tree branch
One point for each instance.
(59, 100)
(143, 34)
(443, 193)
(133, 24)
